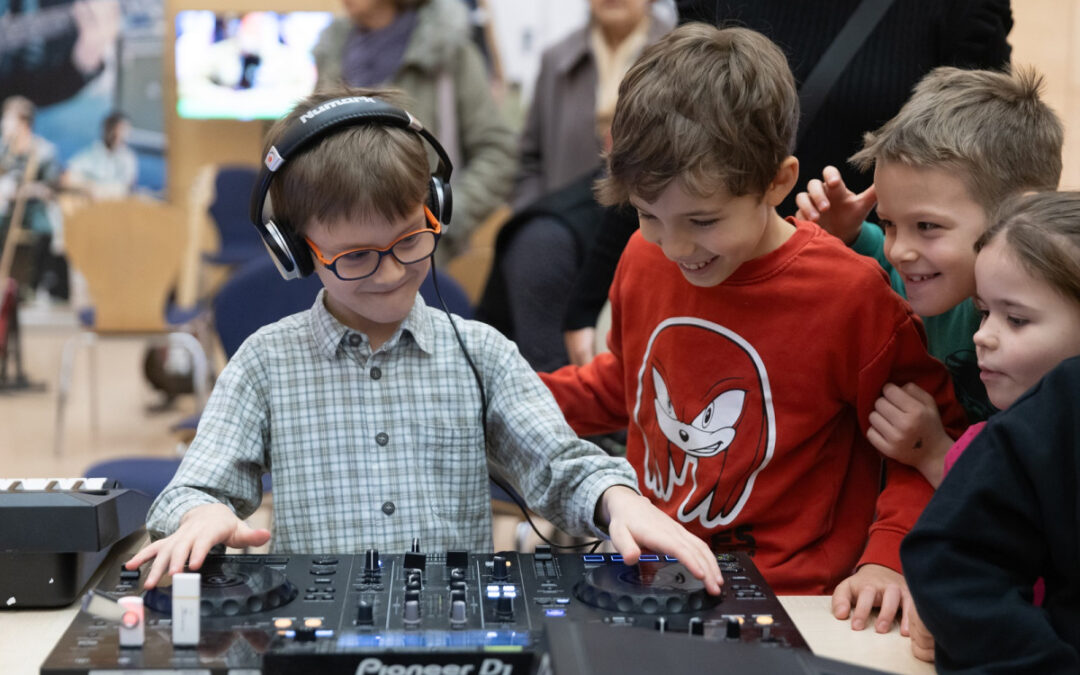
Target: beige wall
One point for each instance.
(193, 143)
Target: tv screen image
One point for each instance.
(244, 65)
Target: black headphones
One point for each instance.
(289, 251)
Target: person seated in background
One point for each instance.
(747, 350)
(51, 49)
(541, 248)
(423, 47)
(965, 141)
(360, 400)
(43, 269)
(1004, 517)
(108, 168)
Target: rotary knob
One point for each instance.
(666, 589)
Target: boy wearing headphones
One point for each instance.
(378, 415)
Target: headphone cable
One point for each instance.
(595, 543)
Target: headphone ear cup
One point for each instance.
(290, 255)
(440, 200)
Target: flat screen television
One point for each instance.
(244, 65)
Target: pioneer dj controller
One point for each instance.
(449, 612)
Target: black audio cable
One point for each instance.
(483, 425)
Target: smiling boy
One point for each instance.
(365, 407)
(747, 350)
(964, 142)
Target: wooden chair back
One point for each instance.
(130, 252)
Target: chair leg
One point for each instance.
(95, 417)
(67, 359)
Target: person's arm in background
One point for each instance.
(487, 145)
(590, 290)
(1004, 516)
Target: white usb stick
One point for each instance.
(185, 609)
(132, 621)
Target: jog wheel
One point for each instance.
(647, 588)
(232, 589)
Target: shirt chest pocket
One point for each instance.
(453, 473)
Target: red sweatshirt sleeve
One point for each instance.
(903, 359)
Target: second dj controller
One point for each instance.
(449, 612)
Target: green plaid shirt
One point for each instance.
(372, 449)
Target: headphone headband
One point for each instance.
(316, 123)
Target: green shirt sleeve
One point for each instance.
(871, 243)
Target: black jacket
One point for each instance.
(1006, 514)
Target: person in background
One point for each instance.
(539, 251)
(19, 145)
(423, 47)
(108, 168)
(965, 142)
(49, 59)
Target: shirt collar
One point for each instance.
(331, 336)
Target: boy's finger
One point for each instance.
(831, 175)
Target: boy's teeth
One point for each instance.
(694, 266)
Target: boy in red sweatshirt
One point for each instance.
(747, 350)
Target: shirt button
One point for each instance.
(388, 508)
(376, 373)
(382, 438)
(355, 340)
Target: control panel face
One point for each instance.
(452, 611)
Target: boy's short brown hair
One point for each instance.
(712, 107)
(991, 126)
(355, 172)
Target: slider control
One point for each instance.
(132, 621)
(457, 613)
(504, 607)
(365, 614)
(412, 613)
(499, 568)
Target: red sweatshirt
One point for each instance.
(747, 404)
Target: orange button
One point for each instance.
(313, 622)
(282, 623)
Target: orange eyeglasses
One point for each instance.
(408, 249)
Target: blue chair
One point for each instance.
(148, 475)
(239, 241)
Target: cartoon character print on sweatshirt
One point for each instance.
(706, 418)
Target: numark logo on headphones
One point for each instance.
(329, 105)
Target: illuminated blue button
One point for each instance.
(593, 558)
(615, 557)
(562, 601)
(671, 558)
(649, 557)
(493, 591)
(554, 611)
(510, 590)
(324, 633)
